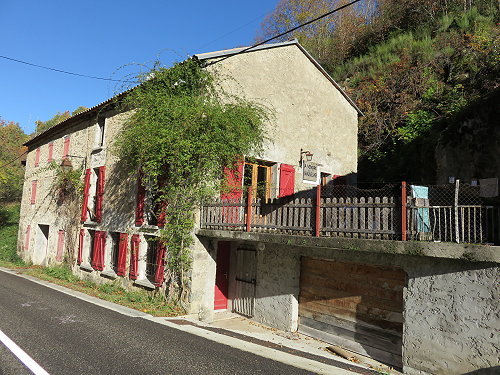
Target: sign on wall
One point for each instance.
(310, 172)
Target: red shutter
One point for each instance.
(139, 209)
(51, 151)
(134, 256)
(234, 178)
(100, 195)
(80, 247)
(60, 246)
(162, 212)
(27, 239)
(160, 263)
(98, 253)
(287, 180)
(37, 157)
(33, 191)
(86, 195)
(66, 147)
(122, 255)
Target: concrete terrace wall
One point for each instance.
(451, 305)
(311, 114)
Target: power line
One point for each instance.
(12, 161)
(64, 71)
(286, 32)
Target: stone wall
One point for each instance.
(451, 305)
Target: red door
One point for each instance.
(287, 180)
(222, 275)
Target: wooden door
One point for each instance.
(246, 274)
(222, 275)
(357, 306)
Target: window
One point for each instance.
(66, 147)
(37, 157)
(33, 191)
(258, 176)
(51, 151)
(155, 260)
(99, 134)
(134, 256)
(151, 255)
(93, 185)
(27, 238)
(91, 246)
(97, 250)
(115, 251)
(80, 247)
(147, 206)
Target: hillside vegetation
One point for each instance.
(412, 68)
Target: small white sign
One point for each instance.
(310, 173)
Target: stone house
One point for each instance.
(105, 234)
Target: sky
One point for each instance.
(106, 38)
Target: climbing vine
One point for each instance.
(184, 130)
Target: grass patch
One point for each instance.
(9, 224)
(153, 303)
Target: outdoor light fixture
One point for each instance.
(308, 154)
(66, 165)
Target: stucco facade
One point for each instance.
(311, 113)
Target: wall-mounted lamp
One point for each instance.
(66, 165)
(76, 156)
(308, 155)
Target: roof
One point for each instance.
(201, 56)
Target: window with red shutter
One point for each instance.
(160, 263)
(60, 245)
(287, 180)
(99, 194)
(97, 262)
(37, 157)
(51, 151)
(134, 257)
(33, 191)
(27, 239)
(139, 208)
(66, 147)
(80, 247)
(122, 255)
(86, 189)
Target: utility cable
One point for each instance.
(286, 32)
(12, 161)
(64, 71)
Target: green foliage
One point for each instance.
(9, 218)
(184, 130)
(41, 126)
(67, 183)
(11, 171)
(418, 123)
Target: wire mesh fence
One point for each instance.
(448, 213)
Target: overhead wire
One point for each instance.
(285, 32)
(64, 71)
(13, 160)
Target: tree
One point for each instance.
(41, 126)
(11, 170)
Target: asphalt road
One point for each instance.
(66, 335)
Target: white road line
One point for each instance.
(34, 367)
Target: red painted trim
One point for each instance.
(85, 195)
(318, 211)
(139, 208)
(60, 245)
(37, 157)
(160, 263)
(249, 210)
(33, 191)
(80, 247)
(98, 253)
(27, 239)
(100, 194)
(66, 147)
(134, 257)
(403, 211)
(287, 180)
(51, 152)
(122, 255)
(162, 213)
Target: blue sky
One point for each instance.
(100, 38)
